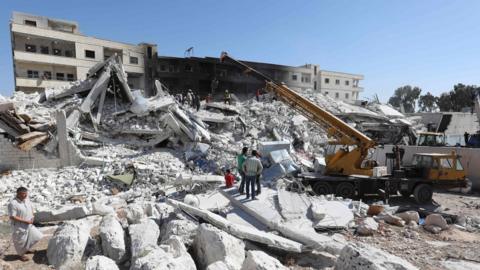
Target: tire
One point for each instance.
(345, 190)
(406, 194)
(322, 188)
(423, 193)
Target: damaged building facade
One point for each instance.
(210, 75)
(49, 53)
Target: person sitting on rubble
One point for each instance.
(253, 168)
(228, 98)
(229, 179)
(240, 160)
(197, 102)
(24, 233)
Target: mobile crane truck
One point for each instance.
(348, 172)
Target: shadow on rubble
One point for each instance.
(40, 257)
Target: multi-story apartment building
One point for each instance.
(50, 52)
(180, 74)
(339, 85)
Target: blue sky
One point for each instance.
(430, 44)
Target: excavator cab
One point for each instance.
(431, 139)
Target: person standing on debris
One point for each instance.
(25, 235)
(209, 98)
(257, 95)
(229, 179)
(228, 98)
(257, 180)
(197, 102)
(240, 160)
(252, 168)
(189, 97)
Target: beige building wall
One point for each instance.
(339, 85)
(44, 32)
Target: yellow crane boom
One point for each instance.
(343, 162)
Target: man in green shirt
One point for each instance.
(240, 160)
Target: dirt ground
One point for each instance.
(422, 248)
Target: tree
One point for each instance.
(427, 102)
(457, 99)
(406, 97)
(444, 102)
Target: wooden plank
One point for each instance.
(10, 131)
(25, 117)
(6, 106)
(28, 145)
(28, 136)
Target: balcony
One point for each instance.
(37, 82)
(29, 57)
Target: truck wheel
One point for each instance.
(423, 193)
(322, 188)
(406, 194)
(345, 190)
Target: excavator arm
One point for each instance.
(345, 161)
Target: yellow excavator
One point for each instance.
(348, 172)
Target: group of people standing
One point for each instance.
(191, 99)
(250, 169)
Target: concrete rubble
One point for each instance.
(365, 257)
(136, 182)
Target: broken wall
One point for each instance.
(12, 157)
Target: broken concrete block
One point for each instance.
(64, 213)
(331, 214)
(436, 220)
(218, 265)
(135, 213)
(66, 247)
(367, 227)
(191, 200)
(172, 256)
(260, 260)
(278, 156)
(391, 219)
(212, 244)
(101, 209)
(143, 238)
(273, 173)
(113, 238)
(186, 230)
(409, 216)
(361, 256)
(266, 147)
(240, 231)
(100, 263)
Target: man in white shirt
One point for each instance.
(25, 235)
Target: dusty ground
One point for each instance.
(424, 249)
(420, 247)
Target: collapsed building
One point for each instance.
(137, 181)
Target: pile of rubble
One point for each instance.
(147, 191)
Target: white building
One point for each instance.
(339, 85)
(50, 52)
